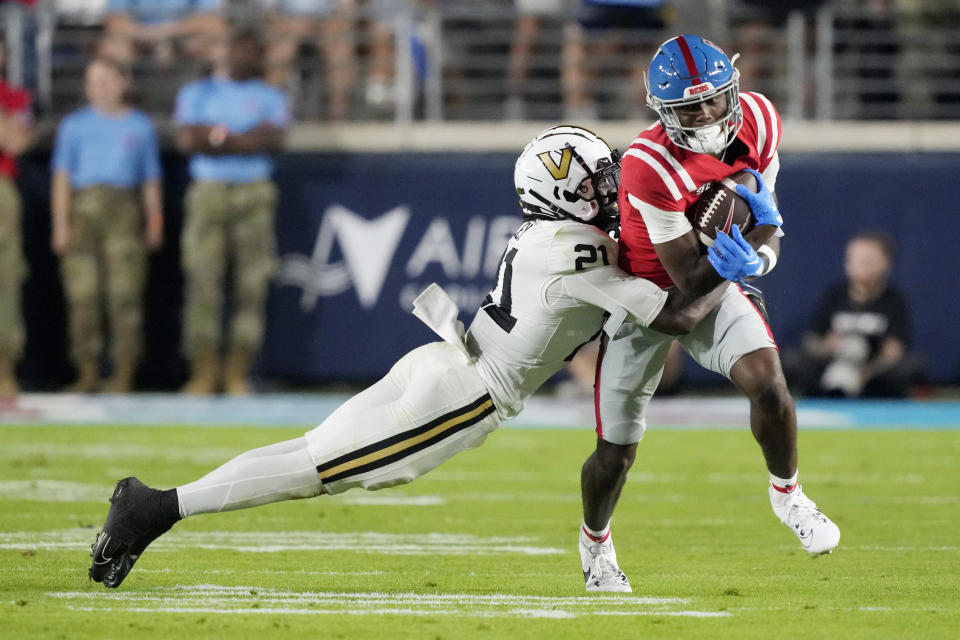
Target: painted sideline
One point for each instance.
(542, 411)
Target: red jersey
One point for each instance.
(659, 180)
(13, 102)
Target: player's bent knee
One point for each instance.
(774, 398)
(755, 372)
(616, 459)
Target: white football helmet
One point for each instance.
(569, 173)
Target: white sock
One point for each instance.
(598, 536)
(784, 485)
(282, 471)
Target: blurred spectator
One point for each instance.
(19, 23)
(473, 46)
(381, 17)
(930, 89)
(605, 30)
(160, 26)
(229, 125)
(759, 32)
(329, 25)
(875, 49)
(945, 14)
(857, 342)
(104, 154)
(532, 17)
(15, 131)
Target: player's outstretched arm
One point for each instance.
(689, 270)
(681, 313)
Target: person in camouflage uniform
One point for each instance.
(12, 272)
(229, 125)
(15, 132)
(103, 155)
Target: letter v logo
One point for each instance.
(558, 171)
(368, 247)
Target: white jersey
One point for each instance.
(557, 280)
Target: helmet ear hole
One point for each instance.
(569, 196)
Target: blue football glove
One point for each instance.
(733, 257)
(761, 203)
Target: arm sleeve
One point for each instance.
(770, 173)
(186, 110)
(663, 226)
(150, 156)
(770, 179)
(613, 290)
(63, 158)
(764, 120)
(656, 192)
(279, 110)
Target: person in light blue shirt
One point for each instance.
(229, 125)
(97, 148)
(160, 11)
(330, 26)
(105, 159)
(160, 26)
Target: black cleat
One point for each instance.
(755, 296)
(138, 515)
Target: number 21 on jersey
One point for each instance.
(499, 302)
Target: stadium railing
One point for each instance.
(843, 61)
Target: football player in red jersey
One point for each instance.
(707, 130)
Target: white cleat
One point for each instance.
(817, 533)
(599, 563)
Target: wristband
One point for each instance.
(771, 258)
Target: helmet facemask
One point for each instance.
(709, 138)
(600, 188)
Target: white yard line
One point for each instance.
(276, 541)
(392, 500)
(372, 542)
(53, 491)
(272, 572)
(118, 450)
(244, 600)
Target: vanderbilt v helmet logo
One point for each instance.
(559, 172)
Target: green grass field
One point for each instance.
(485, 547)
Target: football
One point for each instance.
(720, 207)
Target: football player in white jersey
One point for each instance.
(558, 280)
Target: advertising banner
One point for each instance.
(360, 237)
